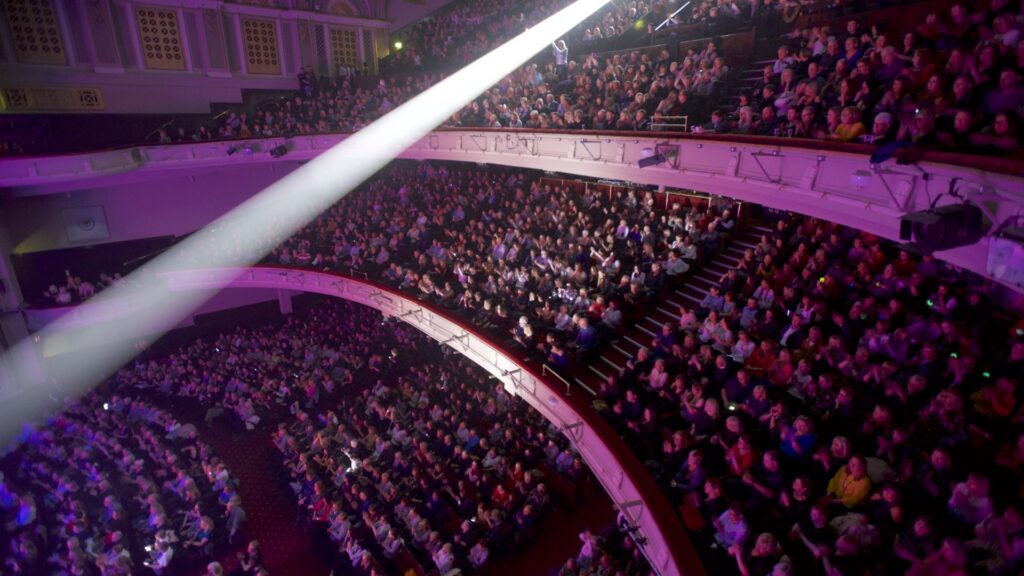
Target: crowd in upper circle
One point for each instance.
(952, 83)
(466, 30)
(509, 251)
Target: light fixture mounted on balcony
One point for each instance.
(943, 228)
(860, 179)
(652, 160)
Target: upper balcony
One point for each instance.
(836, 182)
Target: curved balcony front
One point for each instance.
(832, 181)
(623, 476)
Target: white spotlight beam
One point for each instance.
(671, 16)
(254, 227)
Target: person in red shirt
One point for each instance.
(761, 359)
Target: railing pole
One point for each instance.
(545, 369)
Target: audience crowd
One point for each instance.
(750, 409)
(258, 373)
(388, 473)
(614, 551)
(554, 270)
(834, 404)
(953, 82)
(115, 486)
(463, 31)
(403, 474)
(74, 290)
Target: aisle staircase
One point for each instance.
(743, 83)
(611, 358)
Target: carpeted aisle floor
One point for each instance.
(557, 538)
(269, 506)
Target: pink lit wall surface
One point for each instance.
(133, 208)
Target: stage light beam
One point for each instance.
(261, 222)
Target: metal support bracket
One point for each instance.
(574, 431)
(586, 144)
(812, 182)
(290, 275)
(462, 338)
(670, 151)
(379, 297)
(417, 313)
(514, 142)
(629, 510)
(757, 158)
(480, 141)
(896, 202)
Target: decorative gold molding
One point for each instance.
(35, 31)
(343, 48)
(161, 38)
(51, 99)
(259, 38)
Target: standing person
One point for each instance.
(561, 52)
(306, 80)
(249, 561)
(235, 516)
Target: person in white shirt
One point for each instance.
(63, 296)
(675, 265)
(586, 556)
(161, 557)
(561, 53)
(478, 554)
(743, 347)
(444, 559)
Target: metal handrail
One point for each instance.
(685, 124)
(545, 369)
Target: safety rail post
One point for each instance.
(545, 369)
(665, 123)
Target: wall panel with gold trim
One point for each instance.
(260, 40)
(161, 38)
(343, 49)
(35, 31)
(50, 99)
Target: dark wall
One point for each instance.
(37, 270)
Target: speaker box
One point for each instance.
(85, 224)
(944, 228)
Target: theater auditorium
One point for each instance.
(511, 288)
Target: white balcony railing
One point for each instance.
(834, 182)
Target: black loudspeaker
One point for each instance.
(943, 228)
(651, 161)
(278, 151)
